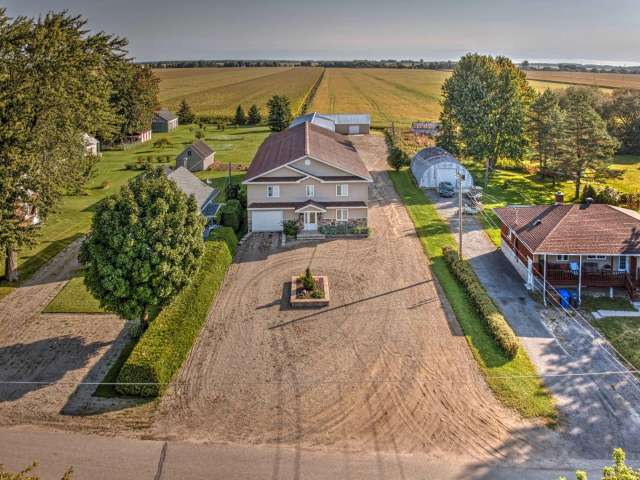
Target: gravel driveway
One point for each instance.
(599, 412)
(383, 368)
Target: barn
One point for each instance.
(344, 123)
(433, 165)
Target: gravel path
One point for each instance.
(383, 368)
(599, 413)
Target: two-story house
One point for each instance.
(309, 174)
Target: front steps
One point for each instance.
(310, 236)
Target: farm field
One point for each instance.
(75, 212)
(604, 80)
(218, 91)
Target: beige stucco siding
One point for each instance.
(282, 172)
(353, 213)
(324, 192)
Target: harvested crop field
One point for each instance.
(603, 80)
(383, 368)
(218, 91)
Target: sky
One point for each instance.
(586, 31)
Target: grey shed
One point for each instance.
(197, 156)
(433, 165)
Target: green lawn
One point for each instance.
(74, 298)
(624, 335)
(513, 187)
(525, 395)
(591, 304)
(73, 218)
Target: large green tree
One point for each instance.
(144, 246)
(240, 117)
(54, 86)
(134, 97)
(587, 148)
(622, 114)
(545, 129)
(484, 109)
(279, 113)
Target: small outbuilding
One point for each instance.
(196, 157)
(344, 123)
(433, 165)
(163, 121)
(91, 144)
(192, 186)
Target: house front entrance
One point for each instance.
(310, 220)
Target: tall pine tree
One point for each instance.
(545, 127)
(279, 113)
(254, 117)
(240, 118)
(185, 115)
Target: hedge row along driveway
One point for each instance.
(526, 395)
(164, 346)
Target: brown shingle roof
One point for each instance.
(307, 139)
(200, 148)
(165, 114)
(574, 229)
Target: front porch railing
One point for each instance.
(589, 279)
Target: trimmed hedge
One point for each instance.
(228, 235)
(495, 322)
(164, 346)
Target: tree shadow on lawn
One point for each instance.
(43, 362)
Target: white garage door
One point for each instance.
(266, 221)
(446, 175)
(354, 129)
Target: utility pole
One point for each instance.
(460, 179)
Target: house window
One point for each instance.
(273, 191)
(562, 258)
(310, 190)
(188, 153)
(342, 214)
(342, 190)
(622, 264)
(596, 257)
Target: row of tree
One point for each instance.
(57, 82)
(490, 112)
(254, 117)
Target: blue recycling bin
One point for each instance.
(565, 297)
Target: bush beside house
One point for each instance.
(164, 346)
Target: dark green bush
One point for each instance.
(290, 228)
(231, 215)
(228, 235)
(495, 322)
(164, 346)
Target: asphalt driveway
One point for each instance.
(599, 412)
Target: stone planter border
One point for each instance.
(309, 302)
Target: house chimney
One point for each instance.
(559, 198)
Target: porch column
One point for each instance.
(544, 280)
(580, 282)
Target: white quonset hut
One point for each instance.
(433, 165)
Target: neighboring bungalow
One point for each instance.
(573, 246)
(163, 121)
(433, 165)
(344, 123)
(91, 144)
(191, 185)
(309, 174)
(429, 129)
(196, 157)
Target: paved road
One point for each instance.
(599, 412)
(107, 458)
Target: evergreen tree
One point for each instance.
(279, 113)
(484, 109)
(586, 146)
(240, 118)
(185, 115)
(144, 246)
(254, 117)
(622, 114)
(54, 87)
(544, 127)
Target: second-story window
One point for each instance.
(310, 190)
(273, 191)
(342, 190)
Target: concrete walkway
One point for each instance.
(598, 412)
(598, 314)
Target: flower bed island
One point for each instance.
(309, 291)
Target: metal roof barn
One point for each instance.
(433, 165)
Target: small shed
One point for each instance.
(163, 120)
(196, 157)
(192, 186)
(433, 165)
(350, 123)
(91, 144)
